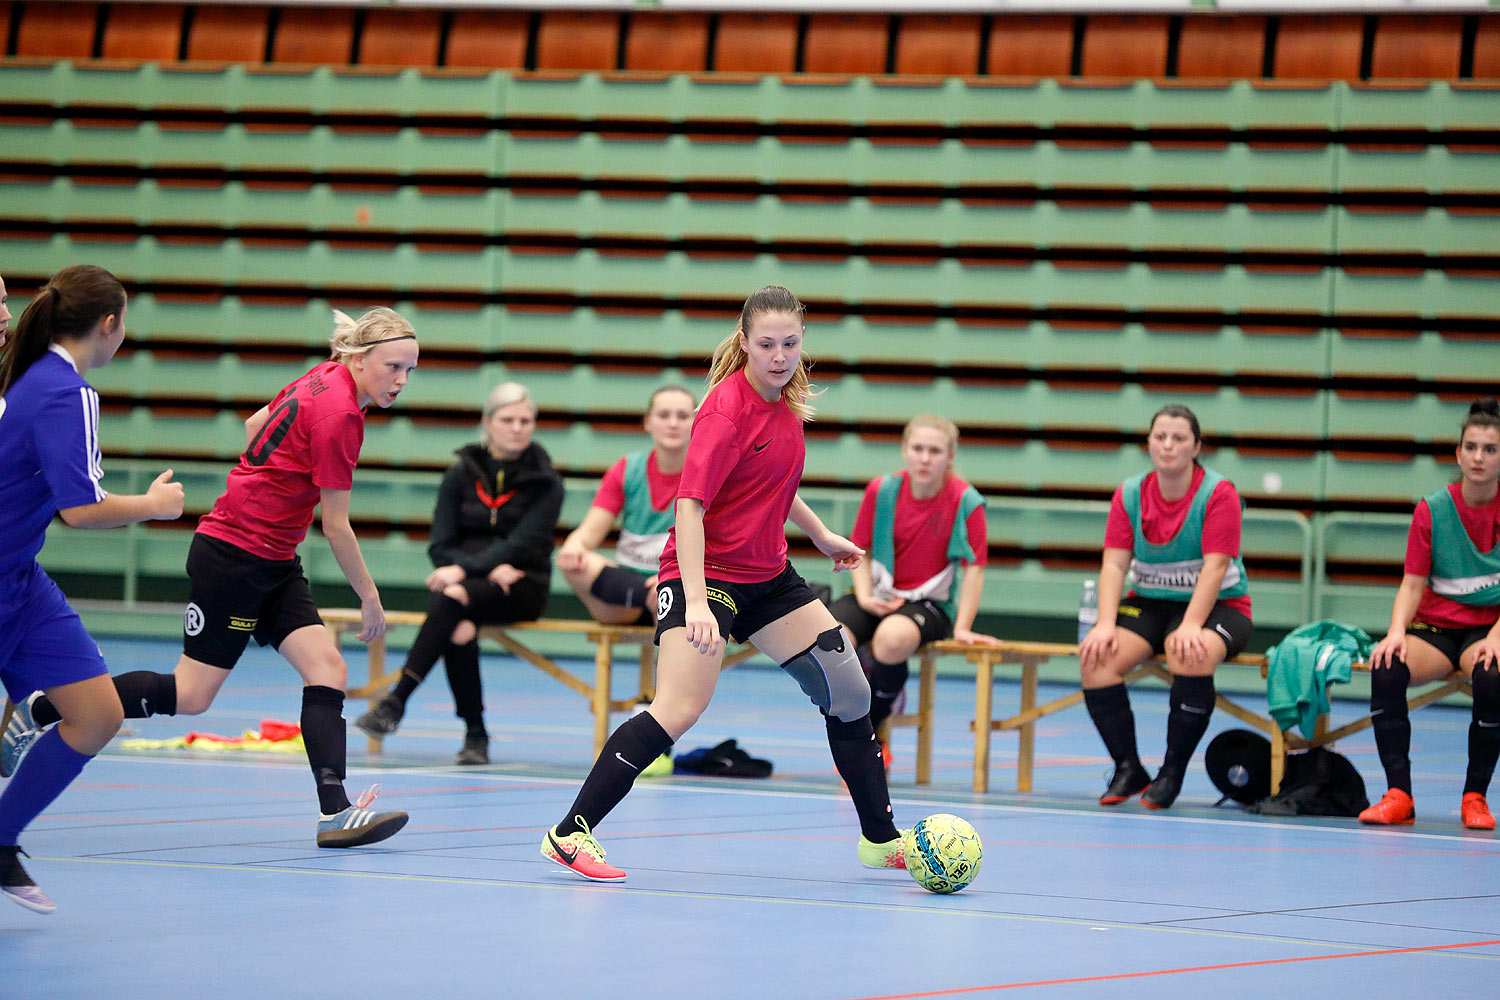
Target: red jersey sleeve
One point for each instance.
(1419, 542)
(335, 441)
(611, 493)
(711, 456)
(979, 537)
(1221, 521)
(1119, 533)
(864, 520)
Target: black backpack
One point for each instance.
(1319, 782)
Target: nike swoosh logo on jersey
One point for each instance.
(622, 760)
(568, 859)
(761, 447)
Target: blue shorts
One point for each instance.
(43, 643)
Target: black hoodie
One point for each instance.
(491, 512)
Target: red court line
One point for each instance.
(1172, 972)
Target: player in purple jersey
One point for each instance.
(50, 464)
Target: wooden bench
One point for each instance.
(1030, 655)
(604, 638)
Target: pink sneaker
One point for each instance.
(580, 854)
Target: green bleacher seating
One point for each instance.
(1425, 355)
(1207, 216)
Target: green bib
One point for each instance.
(1460, 572)
(940, 589)
(1170, 571)
(643, 528)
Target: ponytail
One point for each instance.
(729, 356)
(68, 307)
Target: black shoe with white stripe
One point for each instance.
(15, 883)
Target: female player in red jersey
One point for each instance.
(50, 464)
(641, 490)
(924, 528)
(1176, 531)
(725, 572)
(246, 579)
(1446, 617)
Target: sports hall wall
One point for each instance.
(1043, 226)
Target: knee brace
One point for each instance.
(621, 587)
(829, 673)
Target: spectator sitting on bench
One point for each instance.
(925, 530)
(641, 490)
(491, 547)
(1446, 617)
(1176, 531)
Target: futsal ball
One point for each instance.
(943, 853)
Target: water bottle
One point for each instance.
(1088, 608)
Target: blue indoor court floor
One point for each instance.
(193, 874)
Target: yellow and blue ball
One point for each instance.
(943, 853)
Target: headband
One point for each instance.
(391, 340)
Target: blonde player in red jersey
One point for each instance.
(725, 573)
(246, 579)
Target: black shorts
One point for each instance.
(741, 609)
(929, 617)
(1153, 619)
(235, 595)
(1451, 642)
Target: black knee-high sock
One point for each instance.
(432, 641)
(639, 740)
(324, 733)
(1109, 708)
(1484, 729)
(1187, 719)
(462, 663)
(856, 754)
(1391, 722)
(144, 693)
(887, 680)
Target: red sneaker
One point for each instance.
(1476, 812)
(1395, 809)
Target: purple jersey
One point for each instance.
(49, 460)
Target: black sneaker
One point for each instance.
(1164, 790)
(476, 749)
(384, 718)
(15, 883)
(1129, 780)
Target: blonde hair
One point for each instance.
(934, 422)
(651, 403)
(503, 395)
(729, 356)
(352, 337)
